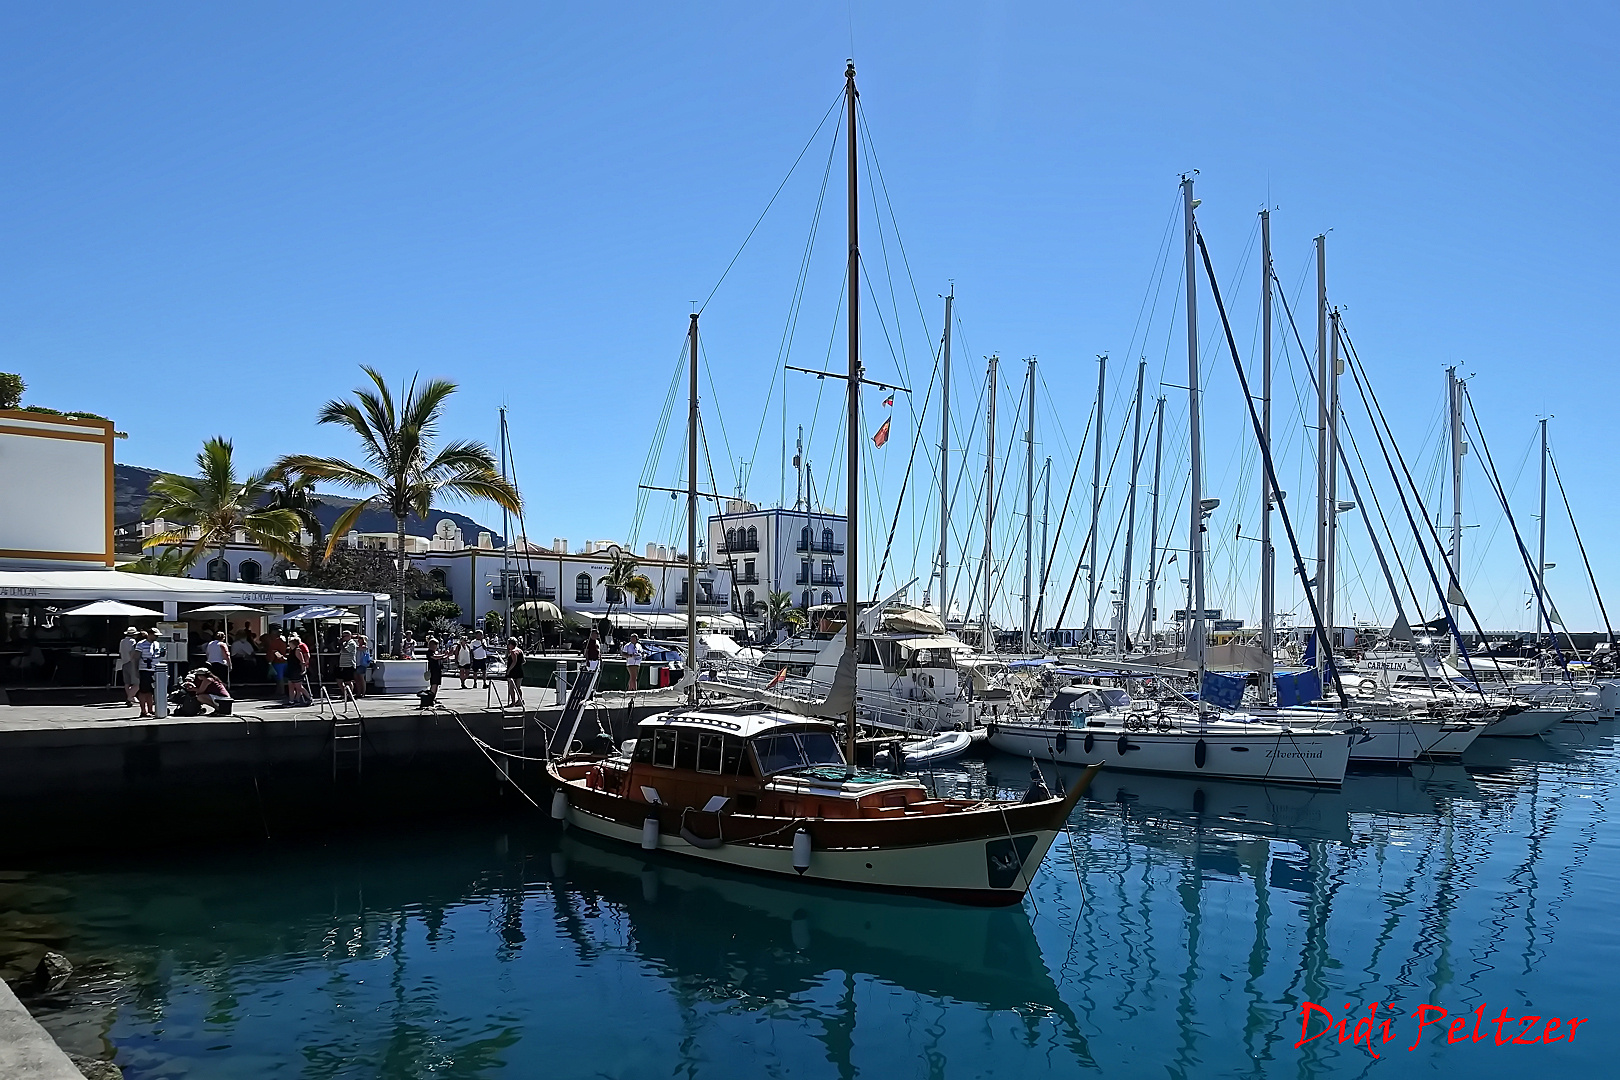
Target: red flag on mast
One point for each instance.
(889, 400)
(882, 435)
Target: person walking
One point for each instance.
(275, 655)
(479, 649)
(362, 665)
(149, 650)
(514, 672)
(435, 670)
(219, 656)
(593, 652)
(129, 665)
(297, 666)
(463, 654)
(348, 658)
(632, 663)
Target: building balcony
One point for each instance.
(521, 591)
(836, 580)
(718, 600)
(724, 548)
(820, 547)
(746, 579)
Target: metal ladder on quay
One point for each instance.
(348, 741)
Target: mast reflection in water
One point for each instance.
(1211, 912)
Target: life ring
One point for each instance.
(1367, 686)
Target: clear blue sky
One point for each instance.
(210, 215)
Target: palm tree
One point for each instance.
(289, 491)
(170, 562)
(217, 503)
(401, 469)
(623, 577)
(781, 612)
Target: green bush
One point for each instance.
(429, 611)
(11, 390)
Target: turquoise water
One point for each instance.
(1210, 912)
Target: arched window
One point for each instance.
(582, 589)
(804, 538)
(806, 603)
(250, 572)
(826, 597)
(826, 540)
(748, 601)
(219, 570)
(753, 538)
(731, 539)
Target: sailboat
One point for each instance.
(757, 780)
(1095, 723)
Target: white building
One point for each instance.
(800, 552)
(481, 577)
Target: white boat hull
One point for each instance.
(1302, 757)
(948, 869)
(1527, 724)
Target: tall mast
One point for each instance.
(985, 644)
(1153, 523)
(1046, 513)
(1096, 502)
(1458, 448)
(506, 543)
(691, 500)
(1323, 451)
(1130, 518)
(1543, 608)
(1268, 558)
(852, 494)
(1195, 529)
(1332, 569)
(1029, 512)
(945, 463)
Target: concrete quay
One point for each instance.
(75, 777)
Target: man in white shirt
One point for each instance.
(480, 659)
(219, 657)
(149, 654)
(129, 665)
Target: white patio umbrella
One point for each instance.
(113, 608)
(315, 613)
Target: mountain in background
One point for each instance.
(131, 483)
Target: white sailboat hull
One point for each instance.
(1295, 757)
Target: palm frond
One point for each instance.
(344, 523)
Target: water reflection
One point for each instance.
(1175, 930)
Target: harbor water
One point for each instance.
(1181, 929)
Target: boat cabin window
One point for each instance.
(1114, 698)
(796, 750)
(889, 653)
(701, 751)
(868, 653)
(686, 749)
(664, 747)
(708, 752)
(931, 658)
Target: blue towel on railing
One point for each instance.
(1222, 691)
(1298, 687)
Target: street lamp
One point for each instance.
(291, 573)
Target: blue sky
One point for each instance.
(211, 215)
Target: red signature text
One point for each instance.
(1377, 1027)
